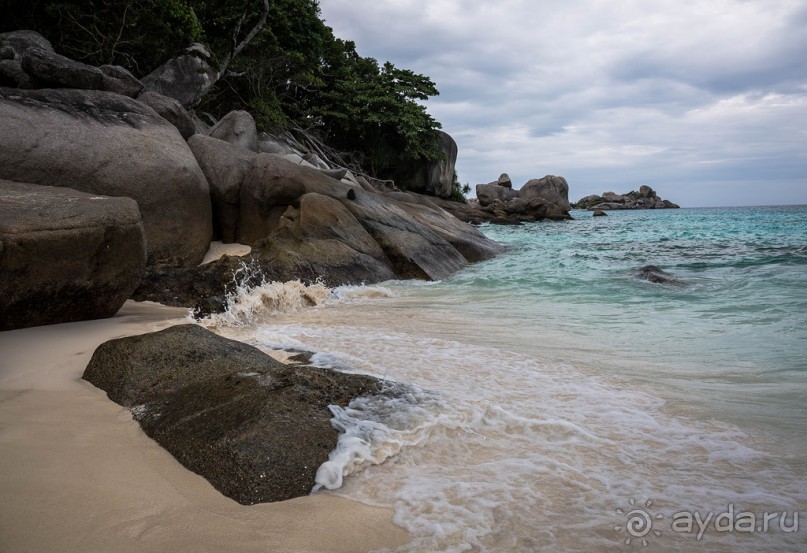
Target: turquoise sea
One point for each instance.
(553, 401)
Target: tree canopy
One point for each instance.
(279, 60)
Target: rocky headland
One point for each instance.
(112, 188)
(645, 198)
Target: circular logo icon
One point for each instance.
(638, 522)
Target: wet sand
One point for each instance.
(77, 474)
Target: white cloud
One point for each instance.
(609, 94)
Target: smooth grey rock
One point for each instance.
(53, 69)
(185, 78)
(170, 110)
(554, 190)
(237, 127)
(118, 80)
(65, 255)
(104, 143)
(20, 41)
(436, 177)
(12, 74)
(504, 180)
(487, 194)
(646, 192)
(226, 166)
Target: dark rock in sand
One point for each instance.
(108, 144)
(656, 275)
(255, 428)
(65, 255)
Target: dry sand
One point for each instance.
(77, 474)
(219, 249)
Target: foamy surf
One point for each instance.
(252, 304)
(499, 451)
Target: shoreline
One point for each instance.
(77, 473)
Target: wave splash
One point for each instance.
(254, 300)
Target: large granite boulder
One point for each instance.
(255, 428)
(65, 255)
(185, 78)
(553, 190)
(416, 240)
(488, 194)
(20, 41)
(322, 237)
(117, 79)
(237, 127)
(104, 143)
(435, 178)
(170, 110)
(226, 166)
(52, 69)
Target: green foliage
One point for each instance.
(458, 191)
(137, 34)
(292, 72)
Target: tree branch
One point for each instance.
(237, 48)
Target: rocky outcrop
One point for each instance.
(255, 428)
(645, 198)
(185, 78)
(170, 110)
(108, 144)
(118, 80)
(303, 224)
(65, 255)
(51, 69)
(436, 178)
(488, 194)
(656, 275)
(237, 127)
(538, 199)
(225, 166)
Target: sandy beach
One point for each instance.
(77, 474)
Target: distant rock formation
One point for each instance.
(496, 202)
(645, 198)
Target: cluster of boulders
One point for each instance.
(645, 198)
(106, 134)
(497, 202)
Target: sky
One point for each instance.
(703, 100)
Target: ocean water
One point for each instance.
(549, 400)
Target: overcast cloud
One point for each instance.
(704, 100)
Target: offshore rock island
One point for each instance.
(645, 198)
